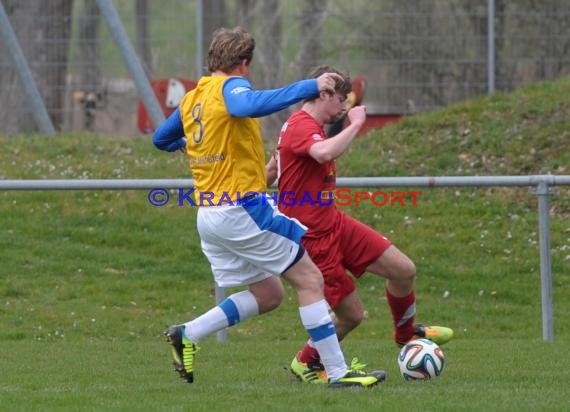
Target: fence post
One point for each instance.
(220, 296)
(543, 192)
(491, 63)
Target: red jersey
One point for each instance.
(306, 187)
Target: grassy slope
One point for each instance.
(91, 278)
(524, 132)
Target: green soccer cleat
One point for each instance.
(437, 334)
(357, 366)
(183, 352)
(356, 377)
(308, 373)
(315, 372)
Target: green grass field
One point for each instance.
(90, 279)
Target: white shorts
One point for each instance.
(248, 243)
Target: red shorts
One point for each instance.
(351, 246)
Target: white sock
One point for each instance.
(318, 322)
(232, 310)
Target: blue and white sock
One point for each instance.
(319, 325)
(232, 310)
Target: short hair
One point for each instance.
(228, 48)
(343, 85)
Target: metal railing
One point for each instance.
(541, 183)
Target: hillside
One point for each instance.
(519, 133)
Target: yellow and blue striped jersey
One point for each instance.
(226, 152)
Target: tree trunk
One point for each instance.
(503, 69)
(312, 19)
(50, 62)
(89, 91)
(15, 114)
(270, 62)
(214, 17)
(142, 14)
(89, 30)
(269, 56)
(43, 30)
(245, 13)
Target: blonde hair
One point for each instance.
(229, 47)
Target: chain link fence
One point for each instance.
(416, 55)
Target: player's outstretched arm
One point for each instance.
(242, 101)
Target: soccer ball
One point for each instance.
(421, 359)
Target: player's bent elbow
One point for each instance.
(159, 141)
(322, 156)
(159, 145)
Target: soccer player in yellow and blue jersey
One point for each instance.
(247, 243)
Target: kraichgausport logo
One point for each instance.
(338, 197)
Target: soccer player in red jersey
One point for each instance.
(304, 164)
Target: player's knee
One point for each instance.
(268, 294)
(356, 318)
(274, 301)
(349, 321)
(270, 301)
(314, 282)
(407, 270)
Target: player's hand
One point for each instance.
(357, 115)
(183, 148)
(326, 82)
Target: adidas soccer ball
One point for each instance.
(421, 359)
